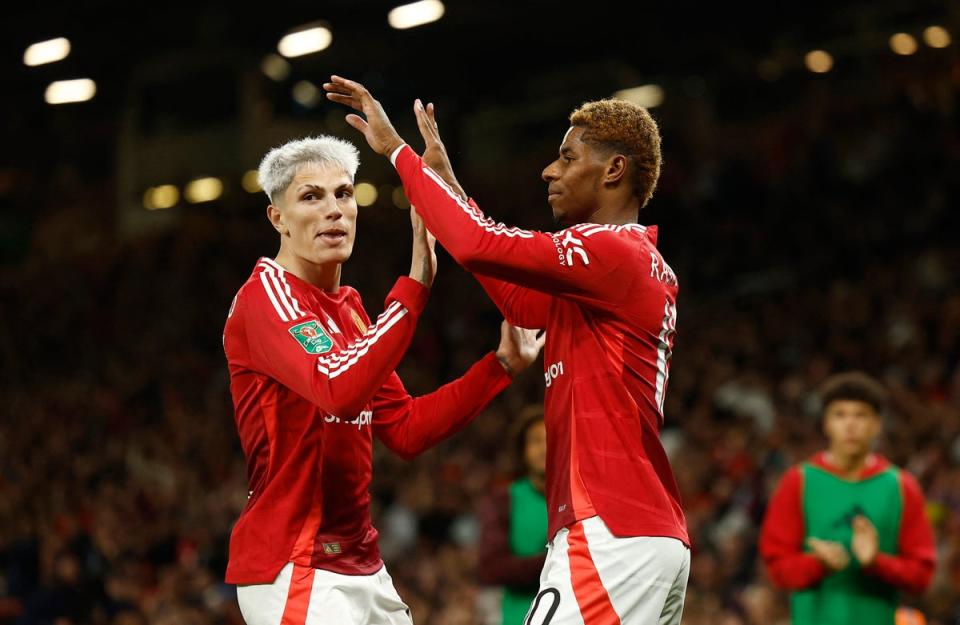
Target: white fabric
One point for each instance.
(334, 598)
(645, 578)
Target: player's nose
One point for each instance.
(549, 172)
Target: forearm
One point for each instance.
(907, 574)
(797, 571)
(345, 380)
(431, 418)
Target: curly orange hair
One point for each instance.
(624, 128)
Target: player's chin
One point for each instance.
(339, 254)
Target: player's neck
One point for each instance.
(616, 213)
(849, 466)
(326, 277)
(538, 480)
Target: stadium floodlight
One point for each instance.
(49, 51)
(160, 197)
(819, 61)
(647, 96)
(275, 67)
(366, 194)
(66, 91)
(903, 44)
(251, 181)
(305, 40)
(203, 190)
(415, 14)
(306, 94)
(936, 36)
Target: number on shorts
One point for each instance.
(555, 603)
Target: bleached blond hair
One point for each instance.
(281, 164)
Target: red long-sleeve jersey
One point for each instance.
(782, 535)
(312, 380)
(607, 300)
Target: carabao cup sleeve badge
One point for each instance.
(311, 337)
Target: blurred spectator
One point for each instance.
(846, 530)
(513, 523)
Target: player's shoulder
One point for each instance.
(624, 232)
(268, 292)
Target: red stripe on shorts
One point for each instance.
(298, 598)
(592, 597)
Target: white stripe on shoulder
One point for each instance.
(282, 273)
(268, 288)
(484, 222)
(282, 289)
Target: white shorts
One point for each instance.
(591, 577)
(306, 596)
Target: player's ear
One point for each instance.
(616, 169)
(275, 215)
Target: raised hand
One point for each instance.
(376, 128)
(434, 152)
(519, 347)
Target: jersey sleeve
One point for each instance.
(410, 425)
(595, 267)
(782, 538)
(292, 350)
(911, 568)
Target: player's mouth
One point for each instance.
(333, 236)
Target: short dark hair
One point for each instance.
(628, 129)
(854, 386)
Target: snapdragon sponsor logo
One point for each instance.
(364, 418)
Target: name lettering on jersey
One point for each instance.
(553, 372)
(364, 418)
(312, 337)
(660, 270)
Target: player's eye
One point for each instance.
(310, 197)
(344, 193)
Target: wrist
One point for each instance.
(505, 364)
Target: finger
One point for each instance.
(431, 113)
(423, 124)
(345, 99)
(358, 122)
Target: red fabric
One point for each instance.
(592, 597)
(298, 597)
(782, 536)
(607, 301)
(912, 568)
(306, 421)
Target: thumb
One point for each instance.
(358, 122)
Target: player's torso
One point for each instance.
(606, 375)
(283, 434)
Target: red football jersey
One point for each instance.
(607, 300)
(313, 381)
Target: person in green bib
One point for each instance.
(846, 530)
(513, 524)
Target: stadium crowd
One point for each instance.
(809, 242)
